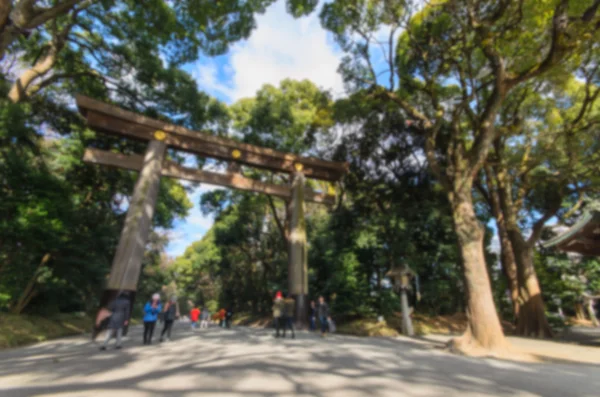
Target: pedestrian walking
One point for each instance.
(277, 312)
(169, 315)
(119, 318)
(204, 317)
(313, 316)
(222, 314)
(151, 311)
(323, 312)
(194, 316)
(289, 306)
(228, 317)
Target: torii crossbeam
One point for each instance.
(160, 135)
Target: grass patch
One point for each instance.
(447, 325)
(366, 327)
(19, 330)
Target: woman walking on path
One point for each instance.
(169, 317)
(323, 311)
(289, 306)
(118, 319)
(277, 312)
(204, 317)
(151, 311)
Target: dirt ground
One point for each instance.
(251, 362)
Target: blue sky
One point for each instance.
(281, 47)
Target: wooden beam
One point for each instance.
(112, 119)
(232, 180)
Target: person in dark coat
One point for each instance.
(228, 317)
(169, 317)
(313, 316)
(289, 306)
(323, 311)
(118, 319)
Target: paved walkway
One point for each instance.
(249, 362)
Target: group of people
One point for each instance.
(283, 315)
(199, 315)
(154, 310)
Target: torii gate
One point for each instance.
(126, 266)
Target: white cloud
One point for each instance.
(207, 76)
(200, 220)
(281, 47)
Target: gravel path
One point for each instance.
(250, 362)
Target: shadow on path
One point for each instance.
(248, 362)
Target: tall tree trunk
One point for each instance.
(509, 266)
(579, 313)
(532, 319)
(483, 326)
(507, 255)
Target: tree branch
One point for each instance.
(557, 47)
(42, 15)
(409, 109)
(391, 58)
(538, 226)
(277, 220)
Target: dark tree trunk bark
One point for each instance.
(507, 255)
(509, 267)
(532, 319)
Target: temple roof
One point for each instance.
(582, 238)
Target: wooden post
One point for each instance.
(127, 263)
(297, 258)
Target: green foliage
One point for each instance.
(61, 218)
(286, 118)
(566, 280)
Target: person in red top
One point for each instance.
(222, 318)
(194, 316)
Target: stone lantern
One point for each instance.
(401, 280)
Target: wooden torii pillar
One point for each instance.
(126, 266)
(297, 255)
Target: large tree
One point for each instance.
(449, 68)
(546, 156)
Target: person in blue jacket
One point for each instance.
(151, 311)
